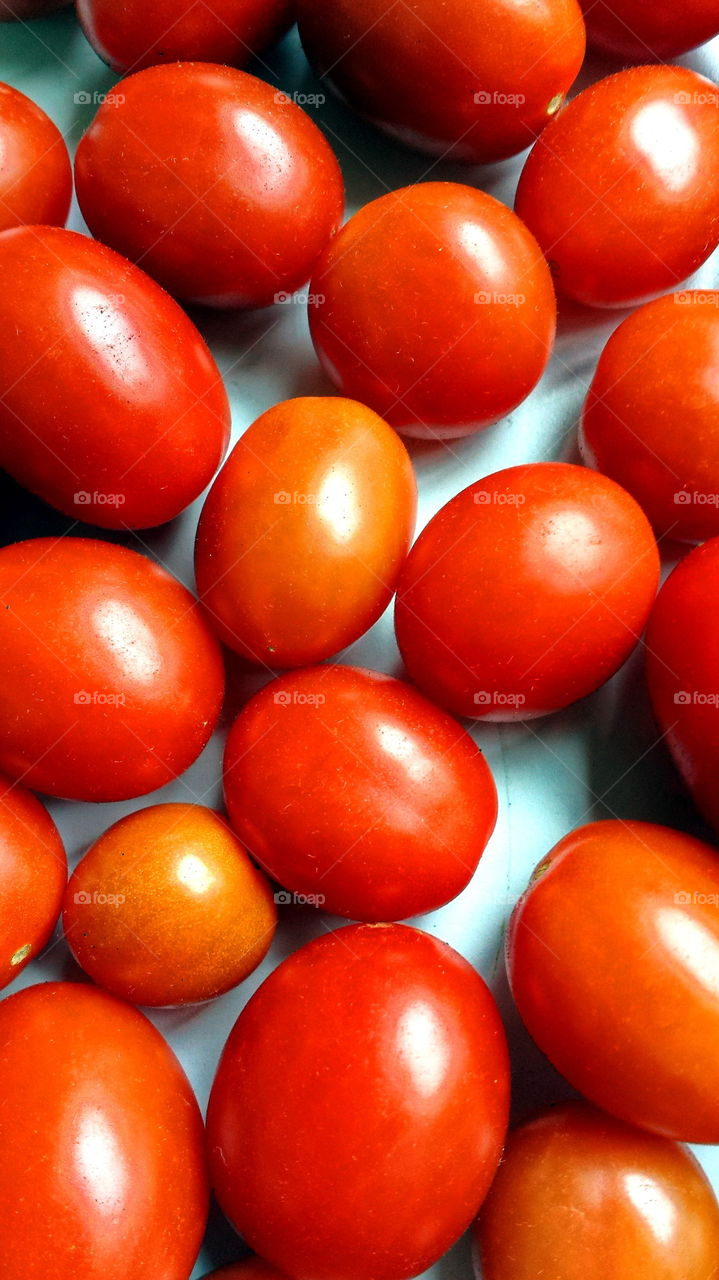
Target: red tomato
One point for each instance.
(637, 31)
(167, 909)
(21, 10)
(658, 370)
(580, 1196)
(33, 874)
(354, 791)
(526, 592)
(35, 170)
(112, 681)
(622, 188)
(101, 1163)
(683, 672)
(613, 959)
(359, 1107)
(132, 35)
(299, 547)
(217, 183)
(435, 307)
(473, 79)
(111, 407)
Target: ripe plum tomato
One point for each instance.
(683, 672)
(112, 408)
(112, 680)
(636, 31)
(657, 370)
(383, 809)
(360, 1105)
(221, 187)
(133, 35)
(166, 908)
(581, 1196)
(33, 874)
(102, 1166)
(612, 956)
(35, 169)
(434, 306)
(622, 188)
(475, 80)
(305, 530)
(526, 591)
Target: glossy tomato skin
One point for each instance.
(113, 681)
(165, 908)
(360, 1105)
(683, 672)
(582, 1196)
(99, 1120)
(636, 31)
(526, 592)
(305, 530)
(491, 73)
(382, 810)
(434, 306)
(130, 36)
(36, 174)
(224, 189)
(113, 409)
(33, 874)
(656, 371)
(622, 189)
(610, 956)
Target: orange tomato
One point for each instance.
(33, 874)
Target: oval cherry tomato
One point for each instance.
(299, 547)
(21, 10)
(683, 672)
(622, 188)
(218, 184)
(526, 592)
(111, 407)
(475, 80)
(354, 791)
(637, 31)
(167, 909)
(614, 965)
(359, 1107)
(112, 680)
(33, 874)
(657, 370)
(581, 1196)
(35, 169)
(133, 35)
(435, 307)
(102, 1170)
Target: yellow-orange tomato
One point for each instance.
(166, 908)
(33, 874)
(305, 530)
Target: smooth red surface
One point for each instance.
(130, 35)
(35, 169)
(622, 188)
(637, 31)
(215, 181)
(305, 530)
(360, 1105)
(650, 417)
(101, 1160)
(473, 79)
(111, 406)
(351, 788)
(33, 874)
(581, 1196)
(434, 306)
(166, 908)
(526, 591)
(683, 672)
(112, 680)
(613, 957)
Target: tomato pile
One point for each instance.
(228, 790)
